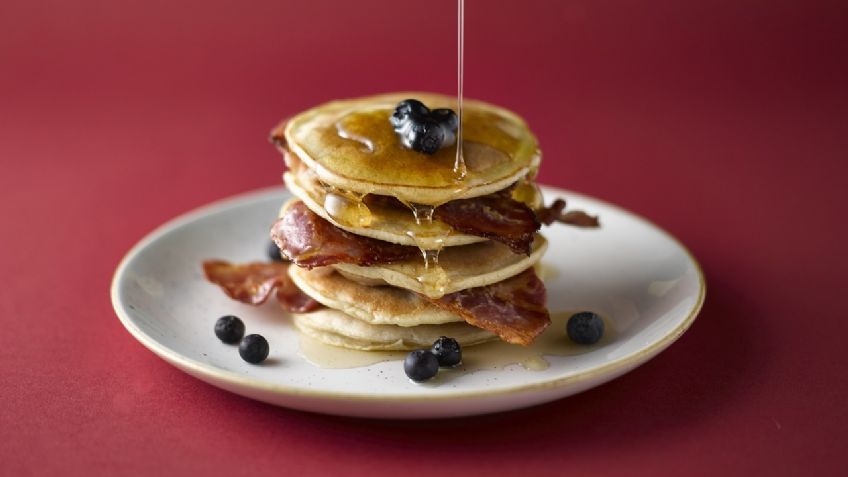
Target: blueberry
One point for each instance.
(421, 365)
(448, 121)
(585, 328)
(446, 118)
(447, 351)
(253, 349)
(421, 129)
(408, 109)
(425, 136)
(274, 252)
(229, 329)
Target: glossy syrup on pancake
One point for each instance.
(352, 145)
(386, 219)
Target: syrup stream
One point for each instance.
(459, 166)
(434, 279)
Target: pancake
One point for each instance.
(466, 266)
(389, 224)
(351, 145)
(376, 305)
(336, 328)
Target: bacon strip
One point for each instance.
(496, 217)
(513, 309)
(499, 217)
(310, 241)
(547, 215)
(253, 283)
(578, 218)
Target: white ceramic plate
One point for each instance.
(646, 285)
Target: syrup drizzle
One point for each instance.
(347, 208)
(434, 279)
(527, 191)
(459, 165)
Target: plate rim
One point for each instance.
(197, 368)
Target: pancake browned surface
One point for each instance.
(336, 328)
(350, 145)
(378, 305)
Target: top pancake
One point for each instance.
(351, 145)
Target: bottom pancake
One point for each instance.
(336, 328)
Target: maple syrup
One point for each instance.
(493, 355)
(434, 280)
(347, 208)
(459, 167)
(527, 191)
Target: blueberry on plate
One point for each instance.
(585, 328)
(421, 365)
(229, 329)
(447, 351)
(253, 349)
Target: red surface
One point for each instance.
(724, 121)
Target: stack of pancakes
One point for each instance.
(389, 239)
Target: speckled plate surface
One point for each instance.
(643, 281)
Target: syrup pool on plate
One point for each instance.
(492, 355)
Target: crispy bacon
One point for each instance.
(293, 300)
(496, 217)
(547, 215)
(253, 283)
(513, 309)
(310, 241)
(578, 218)
(278, 136)
(554, 213)
(499, 217)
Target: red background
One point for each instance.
(726, 122)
